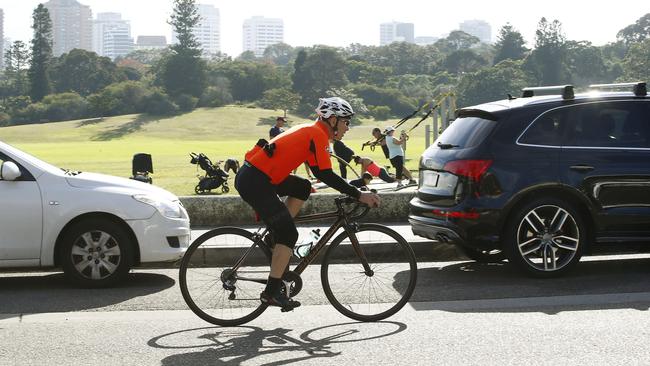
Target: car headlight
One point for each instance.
(166, 208)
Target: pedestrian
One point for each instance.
(376, 133)
(344, 153)
(369, 166)
(396, 155)
(277, 129)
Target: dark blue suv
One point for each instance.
(538, 179)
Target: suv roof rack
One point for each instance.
(565, 90)
(639, 88)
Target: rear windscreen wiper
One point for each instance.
(446, 146)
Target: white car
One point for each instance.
(96, 227)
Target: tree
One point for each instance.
(39, 82)
(83, 72)
(322, 69)
(456, 40)
(510, 45)
(636, 66)
(249, 80)
(548, 61)
(281, 98)
(300, 78)
(493, 83)
(585, 63)
(279, 53)
(463, 61)
(637, 32)
(183, 71)
(247, 56)
(15, 74)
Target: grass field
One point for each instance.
(108, 145)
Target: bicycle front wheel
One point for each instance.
(373, 283)
(220, 292)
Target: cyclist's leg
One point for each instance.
(281, 222)
(256, 189)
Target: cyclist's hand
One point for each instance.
(369, 198)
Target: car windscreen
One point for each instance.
(466, 132)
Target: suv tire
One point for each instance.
(545, 237)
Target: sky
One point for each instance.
(342, 22)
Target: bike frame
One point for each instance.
(343, 220)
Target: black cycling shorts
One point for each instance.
(256, 189)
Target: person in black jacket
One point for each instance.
(345, 153)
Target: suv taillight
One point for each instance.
(472, 169)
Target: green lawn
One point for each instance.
(107, 146)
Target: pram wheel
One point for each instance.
(225, 188)
(198, 190)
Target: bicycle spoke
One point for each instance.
(374, 295)
(216, 292)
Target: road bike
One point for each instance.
(368, 271)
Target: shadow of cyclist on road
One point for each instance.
(233, 346)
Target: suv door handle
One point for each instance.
(582, 168)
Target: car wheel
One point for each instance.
(96, 253)
(546, 237)
(483, 256)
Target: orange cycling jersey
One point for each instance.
(306, 142)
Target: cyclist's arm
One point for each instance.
(330, 178)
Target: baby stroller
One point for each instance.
(214, 176)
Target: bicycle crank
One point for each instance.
(291, 281)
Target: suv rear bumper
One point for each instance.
(480, 233)
(435, 230)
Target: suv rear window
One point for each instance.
(546, 130)
(466, 132)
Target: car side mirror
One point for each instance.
(9, 171)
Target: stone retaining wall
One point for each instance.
(232, 210)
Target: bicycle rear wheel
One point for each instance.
(377, 293)
(213, 289)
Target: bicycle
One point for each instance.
(227, 294)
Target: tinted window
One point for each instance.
(545, 130)
(611, 124)
(466, 132)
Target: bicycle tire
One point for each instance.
(385, 249)
(201, 278)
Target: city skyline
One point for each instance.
(356, 22)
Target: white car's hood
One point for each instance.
(95, 180)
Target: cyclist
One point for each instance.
(265, 175)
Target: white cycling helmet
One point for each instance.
(334, 106)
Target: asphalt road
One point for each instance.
(461, 313)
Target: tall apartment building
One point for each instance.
(260, 32)
(207, 31)
(150, 42)
(396, 32)
(2, 39)
(111, 35)
(478, 28)
(72, 25)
